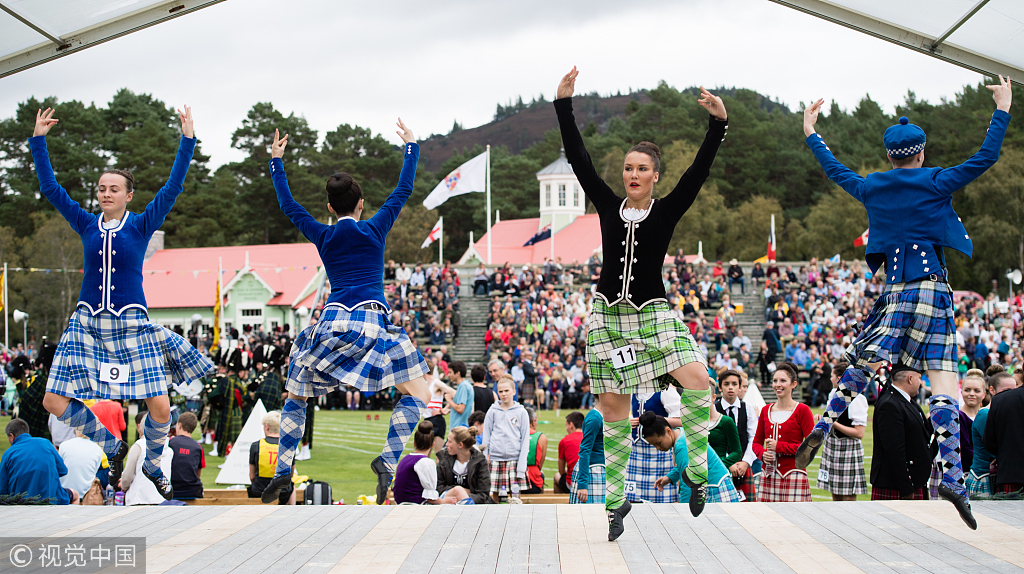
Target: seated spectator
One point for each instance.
(569, 451)
(536, 457)
(263, 460)
(416, 475)
(111, 414)
(476, 420)
(59, 431)
(189, 459)
(138, 488)
(32, 467)
(462, 470)
(736, 276)
(83, 458)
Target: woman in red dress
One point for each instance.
(781, 428)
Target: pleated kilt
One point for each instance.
(893, 494)
(724, 491)
(596, 488)
(143, 357)
(776, 487)
(661, 341)
(646, 465)
(1010, 488)
(934, 480)
(358, 348)
(503, 474)
(748, 485)
(842, 466)
(910, 323)
(979, 487)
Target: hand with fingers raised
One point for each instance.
(277, 148)
(568, 85)
(44, 121)
(186, 122)
(811, 116)
(713, 104)
(405, 133)
(1002, 94)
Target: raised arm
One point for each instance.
(54, 193)
(685, 192)
(949, 180)
(157, 210)
(388, 213)
(843, 176)
(596, 189)
(310, 228)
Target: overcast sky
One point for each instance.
(365, 63)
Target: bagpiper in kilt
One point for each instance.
(911, 219)
(633, 341)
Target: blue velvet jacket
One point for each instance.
(113, 257)
(910, 211)
(352, 251)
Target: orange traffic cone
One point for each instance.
(367, 417)
(376, 417)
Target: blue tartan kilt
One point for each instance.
(979, 487)
(646, 465)
(358, 348)
(596, 488)
(911, 323)
(145, 357)
(725, 491)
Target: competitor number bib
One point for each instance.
(623, 356)
(114, 373)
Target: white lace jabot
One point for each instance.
(111, 224)
(634, 214)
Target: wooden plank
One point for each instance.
(224, 556)
(749, 553)
(514, 553)
(306, 521)
(345, 539)
(659, 541)
(181, 523)
(606, 555)
(304, 552)
(683, 535)
(995, 538)
(791, 544)
(175, 550)
(573, 551)
(423, 555)
(544, 541)
(452, 557)
(386, 546)
(633, 547)
(1006, 511)
(839, 534)
(483, 555)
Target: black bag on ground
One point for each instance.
(318, 493)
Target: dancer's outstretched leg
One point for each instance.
(293, 423)
(76, 415)
(943, 411)
(155, 433)
(404, 418)
(852, 384)
(617, 445)
(695, 415)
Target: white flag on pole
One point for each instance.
(434, 233)
(467, 178)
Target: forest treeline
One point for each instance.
(763, 168)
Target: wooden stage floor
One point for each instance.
(902, 536)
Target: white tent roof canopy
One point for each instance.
(37, 31)
(986, 36)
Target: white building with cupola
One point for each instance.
(561, 198)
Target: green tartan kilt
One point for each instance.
(662, 343)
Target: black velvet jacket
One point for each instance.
(634, 251)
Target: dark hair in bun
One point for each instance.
(650, 149)
(343, 193)
(424, 437)
(129, 179)
(653, 424)
(789, 369)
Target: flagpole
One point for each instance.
(487, 188)
(220, 296)
(7, 342)
(440, 242)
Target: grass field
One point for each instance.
(345, 442)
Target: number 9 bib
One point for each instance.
(114, 373)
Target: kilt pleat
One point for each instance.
(503, 474)
(893, 494)
(724, 491)
(661, 341)
(595, 488)
(153, 356)
(358, 348)
(912, 324)
(842, 466)
(646, 464)
(793, 487)
(979, 487)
